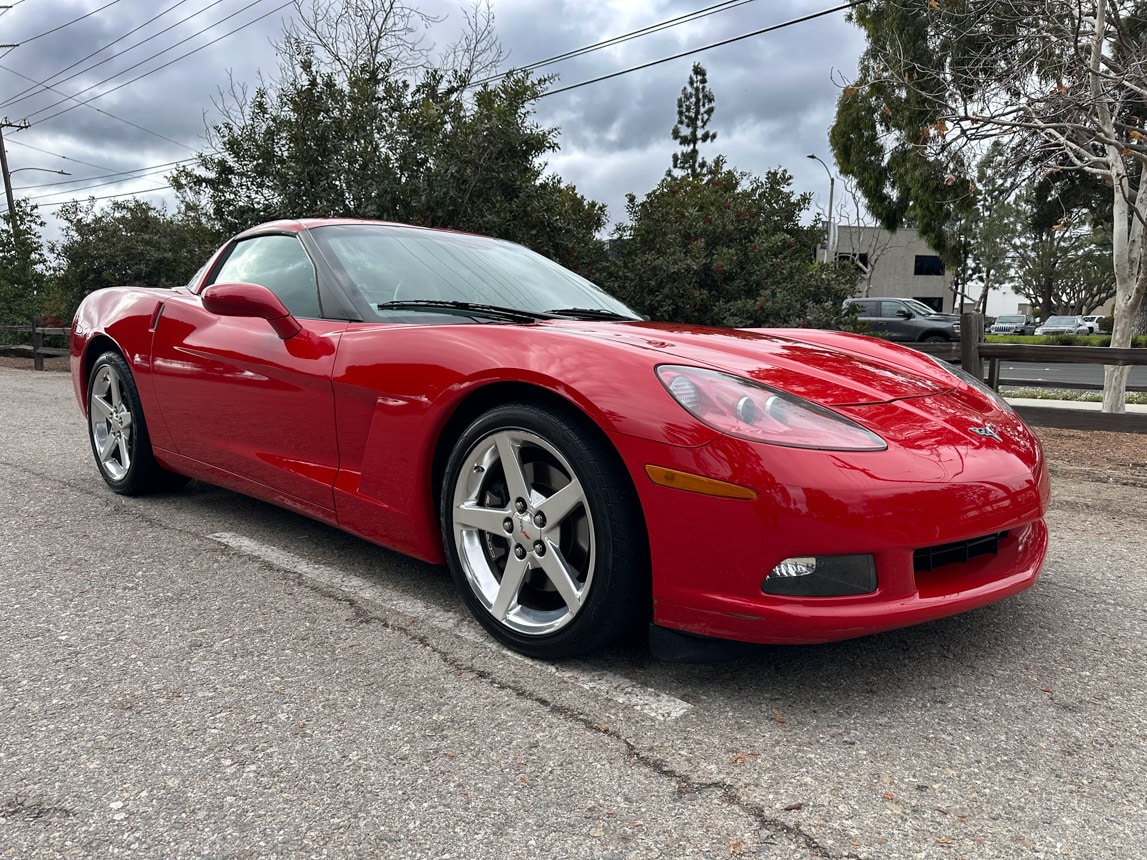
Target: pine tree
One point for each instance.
(694, 110)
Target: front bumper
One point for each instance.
(710, 555)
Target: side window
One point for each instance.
(278, 263)
(888, 310)
(864, 309)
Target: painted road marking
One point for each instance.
(650, 702)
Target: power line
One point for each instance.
(720, 44)
(68, 24)
(626, 37)
(94, 181)
(28, 92)
(104, 112)
(154, 56)
(57, 155)
(107, 196)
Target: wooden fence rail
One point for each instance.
(972, 351)
(36, 347)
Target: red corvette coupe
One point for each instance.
(462, 399)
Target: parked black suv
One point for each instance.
(905, 319)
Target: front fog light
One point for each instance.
(803, 566)
(822, 576)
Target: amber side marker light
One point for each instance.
(676, 480)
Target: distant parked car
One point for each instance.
(1013, 324)
(1063, 325)
(1092, 321)
(905, 319)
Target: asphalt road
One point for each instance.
(201, 675)
(1090, 374)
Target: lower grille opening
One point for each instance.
(964, 551)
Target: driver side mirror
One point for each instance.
(250, 300)
(903, 314)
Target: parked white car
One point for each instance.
(1092, 321)
(1063, 325)
(1012, 324)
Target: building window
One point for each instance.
(859, 260)
(928, 264)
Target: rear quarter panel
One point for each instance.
(119, 318)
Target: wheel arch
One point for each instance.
(94, 348)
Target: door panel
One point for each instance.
(237, 397)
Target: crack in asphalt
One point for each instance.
(23, 806)
(686, 785)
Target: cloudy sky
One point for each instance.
(115, 92)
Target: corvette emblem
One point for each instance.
(988, 431)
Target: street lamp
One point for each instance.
(8, 184)
(830, 245)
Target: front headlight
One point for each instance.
(749, 410)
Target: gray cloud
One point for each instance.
(775, 96)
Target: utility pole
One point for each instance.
(7, 174)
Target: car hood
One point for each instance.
(828, 368)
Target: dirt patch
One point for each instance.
(56, 363)
(1095, 455)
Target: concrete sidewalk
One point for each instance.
(1086, 405)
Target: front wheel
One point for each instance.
(542, 532)
(118, 432)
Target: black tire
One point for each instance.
(589, 528)
(118, 432)
(935, 338)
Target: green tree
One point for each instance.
(695, 108)
(727, 249)
(1061, 266)
(22, 265)
(991, 229)
(124, 242)
(1061, 84)
(411, 145)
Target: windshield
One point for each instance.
(1060, 321)
(393, 265)
(1011, 318)
(920, 307)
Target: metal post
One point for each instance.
(830, 240)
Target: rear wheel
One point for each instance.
(118, 432)
(542, 533)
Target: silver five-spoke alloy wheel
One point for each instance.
(111, 422)
(118, 431)
(523, 532)
(542, 531)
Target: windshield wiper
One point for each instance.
(464, 308)
(590, 314)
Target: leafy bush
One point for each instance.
(727, 249)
